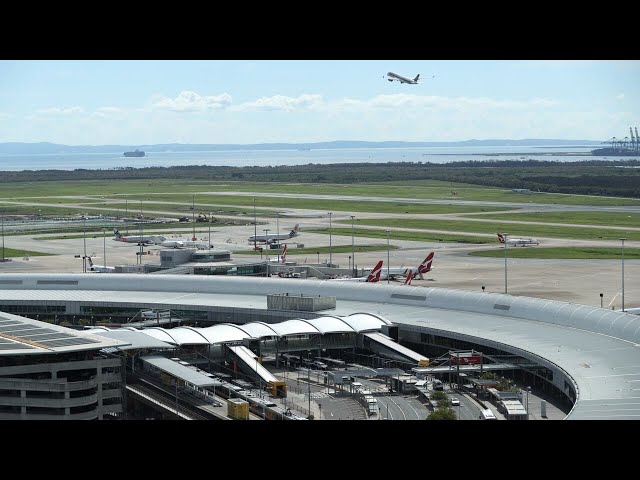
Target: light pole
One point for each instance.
(318, 253)
(309, 379)
(330, 261)
(506, 242)
(193, 215)
(278, 234)
(353, 255)
(528, 390)
(622, 240)
(255, 226)
(601, 295)
(210, 246)
(266, 239)
(141, 234)
(104, 246)
(3, 237)
(387, 232)
(84, 241)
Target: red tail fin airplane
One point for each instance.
(374, 275)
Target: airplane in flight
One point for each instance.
(419, 271)
(99, 268)
(374, 275)
(274, 237)
(139, 239)
(394, 77)
(523, 242)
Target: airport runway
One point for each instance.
(579, 281)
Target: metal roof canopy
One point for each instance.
(136, 338)
(180, 371)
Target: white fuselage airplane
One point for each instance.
(146, 239)
(99, 268)
(424, 267)
(183, 244)
(374, 275)
(394, 77)
(274, 237)
(523, 242)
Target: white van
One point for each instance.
(487, 415)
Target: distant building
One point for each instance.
(520, 190)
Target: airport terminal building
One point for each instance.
(589, 357)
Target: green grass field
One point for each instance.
(619, 219)
(13, 253)
(400, 235)
(491, 227)
(562, 252)
(423, 189)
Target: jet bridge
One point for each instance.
(249, 362)
(386, 347)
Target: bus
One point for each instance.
(487, 414)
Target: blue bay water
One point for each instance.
(263, 158)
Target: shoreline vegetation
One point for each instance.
(617, 178)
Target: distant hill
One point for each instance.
(17, 148)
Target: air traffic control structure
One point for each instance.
(578, 352)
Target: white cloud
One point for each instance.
(60, 111)
(282, 102)
(620, 97)
(404, 101)
(104, 112)
(188, 101)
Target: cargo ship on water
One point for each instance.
(135, 153)
(630, 146)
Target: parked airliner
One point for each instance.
(274, 237)
(523, 242)
(424, 267)
(374, 275)
(145, 239)
(99, 268)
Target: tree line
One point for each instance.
(587, 177)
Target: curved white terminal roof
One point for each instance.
(592, 351)
(223, 333)
(331, 325)
(258, 329)
(186, 336)
(294, 327)
(363, 322)
(161, 334)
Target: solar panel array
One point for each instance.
(42, 336)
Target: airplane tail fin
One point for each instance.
(284, 254)
(409, 278)
(501, 238)
(417, 77)
(117, 233)
(425, 266)
(374, 275)
(90, 262)
(295, 230)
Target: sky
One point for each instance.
(141, 102)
